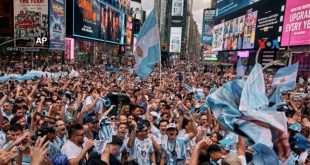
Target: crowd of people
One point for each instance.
(71, 120)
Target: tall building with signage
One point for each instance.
(177, 27)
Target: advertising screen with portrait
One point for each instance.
(175, 39)
(57, 24)
(249, 29)
(217, 44)
(177, 7)
(233, 34)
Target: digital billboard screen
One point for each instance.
(217, 44)
(269, 23)
(207, 26)
(249, 29)
(296, 27)
(57, 24)
(30, 22)
(175, 39)
(233, 33)
(225, 7)
(98, 21)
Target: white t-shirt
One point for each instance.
(96, 109)
(71, 150)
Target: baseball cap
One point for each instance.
(172, 126)
(154, 114)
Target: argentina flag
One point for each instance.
(285, 78)
(147, 52)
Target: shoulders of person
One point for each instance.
(183, 138)
(88, 100)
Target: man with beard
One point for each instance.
(121, 133)
(73, 147)
(174, 149)
(7, 110)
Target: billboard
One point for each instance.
(175, 39)
(225, 7)
(233, 33)
(57, 24)
(249, 29)
(296, 27)
(177, 7)
(129, 30)
(217, 44)
(207, 26)
(97, 21)
(30, 22)
(269, 23)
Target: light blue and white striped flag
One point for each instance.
(147, 52)
(285, 78)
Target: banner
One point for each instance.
(177, 7)
(30, 22)
(249, 29)
(233, 34)
(175, 39)
(296, 27)
(57, 24)
(207, 26)
(217, 44)
(225, 7)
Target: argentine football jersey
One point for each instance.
(141, 150)
(175, 151)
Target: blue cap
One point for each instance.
(301, 141)
(295, 127)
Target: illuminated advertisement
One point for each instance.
(93, 20)
(57, 24)
(177, 7)
(117, 3)
(207, 26)
(111, 24)
(175, 39)
(233, 34)
(296, 27)
(129, 31)
(249, 29)
(218, 37)
(225, 7)
(30, 22)
(269, 23)
(69, 51)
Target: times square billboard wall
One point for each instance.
(30, 22)
(296, 27)
(246, 28)
(98, 21)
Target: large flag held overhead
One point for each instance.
(285, 78)
(243, 108)
(147, 52)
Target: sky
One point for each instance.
(198, 7)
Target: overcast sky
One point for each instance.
(198, 7)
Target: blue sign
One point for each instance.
(57, 24)
(225, 7)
